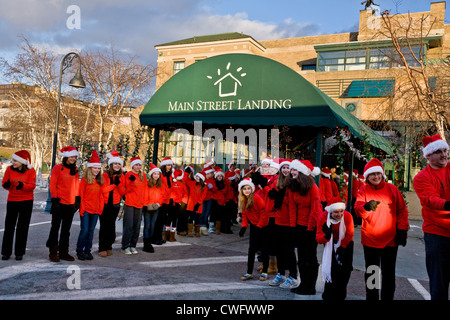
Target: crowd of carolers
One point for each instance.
(286, 214)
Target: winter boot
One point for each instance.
(53, 256)
(218, 225)
(190, 230)
(172, 236)
(211, 227)
(166, 236)
(64, 255)
(203, 231)
(197, 230)
(308, 279)
(148, 246)
(273, 269)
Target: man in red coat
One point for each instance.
(432, 186)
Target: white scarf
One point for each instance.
(327, 250)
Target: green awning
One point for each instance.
(370, 88)
(249, 90)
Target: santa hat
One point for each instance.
(208, 169)
(153, 169)
(266, 160)
(432, 144)
(201, 175)
(177, 174)
(166, 161)
(67, 152)
(229, 164)
(218, 172)
(361, 177)
(23, 156)
(305, 167)
(284, 162)
(334, 204)
(326, 172)
(246, 182)
(114, 157)
(95, 160)
(275, 163)
(209, 162)
(373, 166)
(247, 172)
(135, 160)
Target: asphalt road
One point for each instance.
(201, 269)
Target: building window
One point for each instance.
(381, 58)
(309, 67)
(342, 60)
(177, 66)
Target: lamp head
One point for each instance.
(77, 81)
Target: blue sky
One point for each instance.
(136, 26)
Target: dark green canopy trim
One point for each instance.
(244, 89)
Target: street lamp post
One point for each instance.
(76, 82)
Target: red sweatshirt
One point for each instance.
(221, 196)
(326, 191)
(157, 194)
(135, 191)
(92, 200)
(349, 229)
(305, 209)
(178, 192)
(28, 178)
(256, 215)
(118, 191)
(196, 195)
(63, 185)
(379, 227)
(433, 189)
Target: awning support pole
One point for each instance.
(319, 147)
(155, 147)
(350, 184)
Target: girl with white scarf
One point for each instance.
(335, 231)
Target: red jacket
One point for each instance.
(256, 215)
(179, 192)
(196, 195)
(135, 191)
(379, 227)
(326, 191)
(118, 191)
(91, 197)
(305, 209)
(433, 189)
(165, 182)
(157, 194)
(28, 178)
(209, 192)
(63, 185)
(349, 229)
(223, 195)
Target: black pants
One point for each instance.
(384, 259)
(182, 218)
(306, 244)
(286, 250)
(172, 215)
(340, 275)
(62, 216)
(257, 243)
(163, 212)
(18, 216)
(437, 255)
(107, 233)
(193, 217)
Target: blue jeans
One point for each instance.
(206, 210)
(149, 223)
(87, 226)
(437, 257)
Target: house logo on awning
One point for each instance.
(228, 83)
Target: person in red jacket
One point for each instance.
(20, 181)
(91, 205)
(254, 217)
(197, 192)
(188, 174)
(166, 167)
(113, 191)
(384, 227)
(207, 202)
(326, 191)
(135, 200)
(432, 186)
(156, 195)
(335, 231)
(178, 194)
(220, 192)
(64, 190)
(304, 208)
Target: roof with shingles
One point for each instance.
(208, 38)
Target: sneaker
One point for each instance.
(133, 250)
(263, 277)
(290, 283)
(81, 256)
(246, 276)
(89, 255)
(126, 251)
(279, 279)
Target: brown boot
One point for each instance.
(166, 236)
(273, 269)
(197, 230)
(218, 225)
(172, 236)
(64, 255)
(190, 230)
(53, 256)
